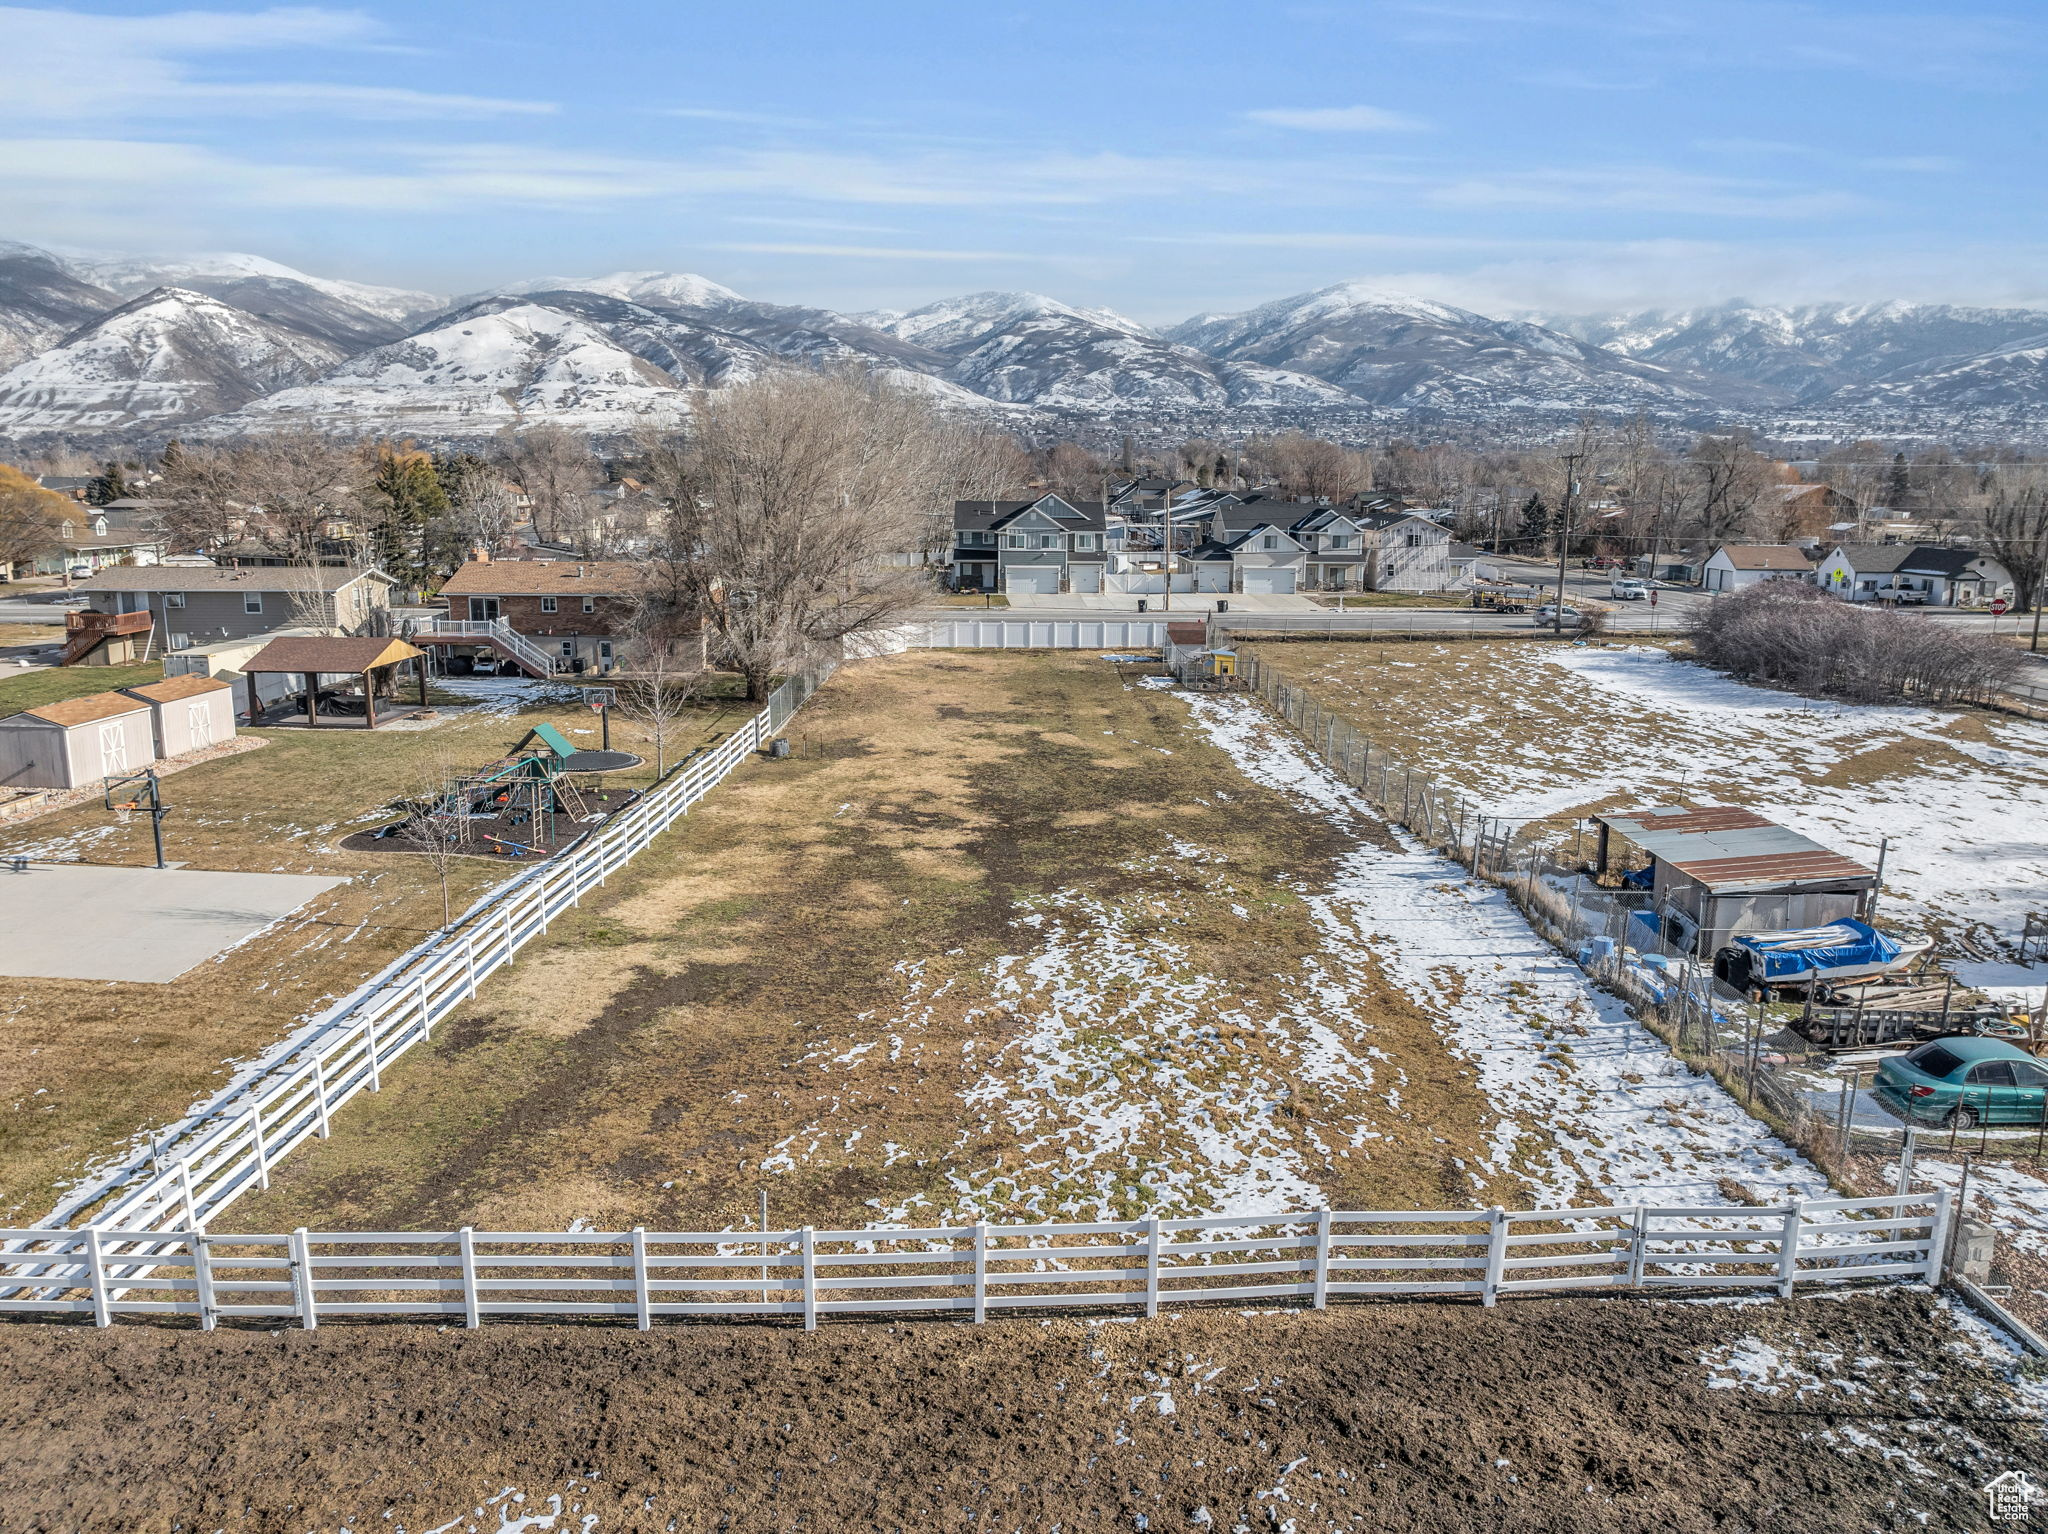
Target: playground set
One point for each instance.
(531, 803)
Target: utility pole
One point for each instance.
(2040, 588)
(1166, 552)
(1564, 536)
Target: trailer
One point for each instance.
(1505, 596)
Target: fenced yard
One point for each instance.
(1312, 1258)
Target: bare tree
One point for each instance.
(1732, 480)
(435, 829)
(1069, 470)
(1312, 467)
(792, 499)
(560, 477)
(287, 491)
(660, 689)
(2016, 531)
(32, 519)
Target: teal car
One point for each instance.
(1963, 1082)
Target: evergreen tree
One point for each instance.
(1535, 521)
(1898, 485)
(172, 456)
(406, 497)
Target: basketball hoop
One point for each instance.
(123, 813)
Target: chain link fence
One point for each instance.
(1819, 1099)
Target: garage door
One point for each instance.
(1043, 580)
(1269, 582)
(1086, 578)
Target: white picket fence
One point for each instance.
(1317, 1257)
(229, 1145)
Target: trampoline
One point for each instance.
(598, 761)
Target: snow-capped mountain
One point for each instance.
(42, 302)
(1024, 348)
(2011, 376)
(167, 357)
(476, 373)
(1394, 349)
(681, 290)
(1805, 354)
(129, 275)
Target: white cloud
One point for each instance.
(1643, 189)
(1335, 119)
(879, 252)
(146, 67)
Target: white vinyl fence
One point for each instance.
(1043, 634)
(230, 1145)
(308, 1277)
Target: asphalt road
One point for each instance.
(33, 606)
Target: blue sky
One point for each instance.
(1159, 158)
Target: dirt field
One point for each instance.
(1006, 935)
(1576, 1416)
(85, 1066)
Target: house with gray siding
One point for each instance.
(1044, 547)
(193, 605)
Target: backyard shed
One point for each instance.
(188, 713)
(1722, 870)
(76, 742)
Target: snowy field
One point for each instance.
(1538, 731)
(1133, 1065)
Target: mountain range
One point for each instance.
(104, 347)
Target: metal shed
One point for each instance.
(1719, 871)
(188, 713)
(76, 742)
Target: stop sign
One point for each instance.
(1997, 606)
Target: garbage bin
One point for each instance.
(1142, 605)
(1222, 605)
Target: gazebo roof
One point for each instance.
(313, 652)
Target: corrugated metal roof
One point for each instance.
(1731, 850)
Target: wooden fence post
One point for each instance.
(96, 1277)
(326, 1130)
(472, 1312)
(980, 1271)
(1322, 1259)
(642, 1301)
(1152, 1265)
(810, 1278)
(302, 1279)
(262, 1151)
(1496, 1254)
(202, 1276)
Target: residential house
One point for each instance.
(577, 611)
(134, 610)
(1805, 512)
(1256, 539)
(1044, 547)
(1736, 566)
(97, 537)
(1920, 575)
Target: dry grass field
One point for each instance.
(87, 1066)
(1006, 935)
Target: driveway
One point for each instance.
(1183, 602)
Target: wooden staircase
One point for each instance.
(85, 632)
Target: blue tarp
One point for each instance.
(1841, 947)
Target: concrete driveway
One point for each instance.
(1183, 602)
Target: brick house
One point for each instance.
(575, 610)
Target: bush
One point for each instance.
(1798, 636)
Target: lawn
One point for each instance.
(85, 1067)
(1014, 936)
(37, 688)
(1551, 733)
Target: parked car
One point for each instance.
(1548, 615)
(80, 572)
(1626, 588)
(1962, 1082)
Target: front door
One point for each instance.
(483, 609)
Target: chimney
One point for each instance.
(480, 555)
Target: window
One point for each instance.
(252, 601)
(1933, 1060)
(174, 599)
(2029, 1075)
(1018, 541)
(1340, 540)
(1048, 540)
(1084, 540)
(590, 604)
(1270, 541)
(1992, 1073)
(547, 604)
(1415, 540)
(604, 649)
(568, 647)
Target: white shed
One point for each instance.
(188, 713)
(77, 742)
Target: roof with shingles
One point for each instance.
(173, 689)
(543, 578)
(337, 656)
(1764, 556)
(72, 712)
(285, 578)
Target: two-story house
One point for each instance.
(1044, 547)
(134, 610)
(576, 610)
